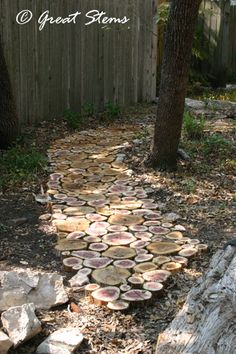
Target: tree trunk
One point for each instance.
(174, 79)
(8, 116)
(207, 322)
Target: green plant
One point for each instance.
(190, 185)
(112, 109)
(88, 109)
(193, 128)
(214, 143)
(3, 228)
(20, 163)
(73, 119)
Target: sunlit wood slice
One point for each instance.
(89, 288)
(70, 262)
(152, 223)
(78, 211)
(110, 275)
(99, 247)
(126, 220)
(131, 194)
(122, 212)
(156, 238)
(68, 245)
(97, 263)
(150, 206)
(125, 263)
(153, 216)
(159, 275)
(161, 260)
(194, 242)
(103, 296)
(118, 305)
(136, 281)
(117, 228)
(125, 287)
(163, 248)
(92, 197)
(153, 287)
(108, 179)
(158, 230)
(126, 205)
(188, 252)
(78, 203)
(138, 228)
(120, 189)
(129, 199)
(92, 239)
(106, 211)
(75, 235)
(119, 164)
(95, 217)
(172, 267)
(85, 271)
(86, 254)
(97, 203)
(120, 252)
(174, 235)
(60, 196)
(119, 238)
(136, 295)
(143, 212)
(96, 232)
(201, 247)
(143, 236)
(141, 251)
(143, 258)
(180, 259)
(139, 244)
(145, 267)
(71, 225)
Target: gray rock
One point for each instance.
(194, 104)
(63, 341)
(78, 280)
(179, 228)
(45, 290)
(171, 217)
(18, 221)
(5, 343)
(21, 323)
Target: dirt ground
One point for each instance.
(208, 213)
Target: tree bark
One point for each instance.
(174, 79)
(9, 128)
(207, 322)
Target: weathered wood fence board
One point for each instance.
(68, 65)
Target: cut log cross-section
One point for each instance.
(206, 323)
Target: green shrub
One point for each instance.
(20, 163)
(215, 143)
(88, 109)
(193, 128)
(112, 109)
(73, 119)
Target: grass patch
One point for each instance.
(20, 164)
(73, 119)
(193, 128)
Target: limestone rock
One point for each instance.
(63, 341)
(45, 290)
(171, 217)
(78, 280)
(21, 323)
(5, 343)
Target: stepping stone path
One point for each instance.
(109, 229)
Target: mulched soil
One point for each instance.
(207, 213)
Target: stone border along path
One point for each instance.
(110, 233)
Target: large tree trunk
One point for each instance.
(8, 116)
(174, 79)
(207, 322)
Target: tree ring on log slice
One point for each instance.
(117, 228)
(161, 260)
(174, 235)
(72, 224)
(86, 254)
(95, 217)
(143, 258)
(154, 287)
(136, 295)
(92, 197)
(143, 236)
(98, 246)
(70, 262)
(92, 239)
(118, 305)
(75, 235)
(194, 241)
(201, 247)
(145, 267)
(163, 248)
(180, 259)
(172, 267)
(158, 275)
(158, 230)
(85, 271)
(124, 263)
(188, 252)
(126, 220)
(78, 211)
(136, 281)
(139, 244)
(97, 263)
(110, 275)
(152, 223)
(68, 245)
(125, 287)
(120, 252)
(104, 295)
(138, 228)
(119, 238)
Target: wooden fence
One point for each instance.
(68, 65)
(218, 20)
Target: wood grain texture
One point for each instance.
(207, 322)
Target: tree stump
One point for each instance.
(207, 322)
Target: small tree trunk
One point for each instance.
(174, 79)
(207, 322)
(8, 117)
